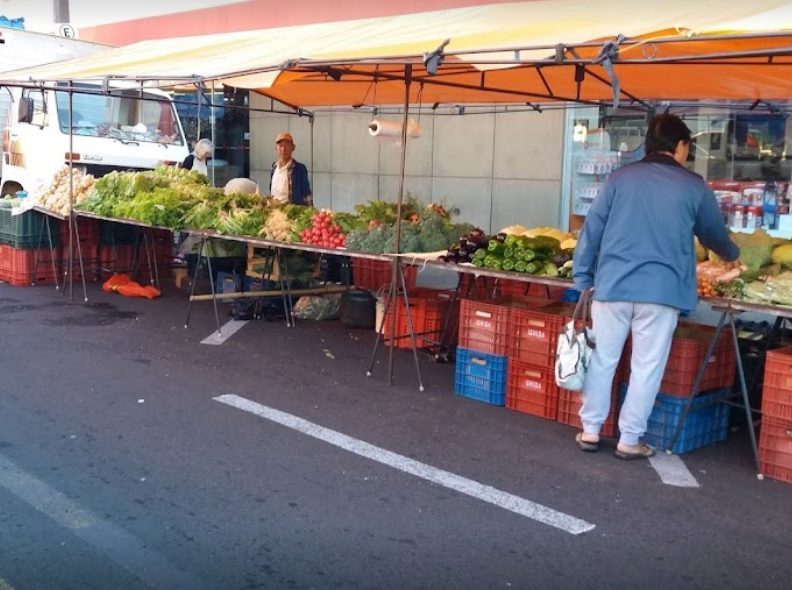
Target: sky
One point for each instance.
(38, 14)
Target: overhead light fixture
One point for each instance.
(434, 60)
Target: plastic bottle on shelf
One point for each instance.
(770, 205)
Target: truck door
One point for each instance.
(34, 152)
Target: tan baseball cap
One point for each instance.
(284, 137)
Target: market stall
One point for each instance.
(479, 55)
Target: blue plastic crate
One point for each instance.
(481, 376)
(707, 422)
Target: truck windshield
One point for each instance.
(122, 116)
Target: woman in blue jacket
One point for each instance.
(635, 255)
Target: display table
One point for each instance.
(726, 309)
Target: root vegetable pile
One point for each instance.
(323, 231)
(56, 196)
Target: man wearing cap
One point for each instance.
(289, 181)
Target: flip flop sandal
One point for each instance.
(644, 453)
(584, 445)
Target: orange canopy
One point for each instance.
(537, 51)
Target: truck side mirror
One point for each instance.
(25, 109)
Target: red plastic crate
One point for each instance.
(569, 403)
(121, 258)
(376, 274)
(484, 326)
(475, 288)
(777, 387)
(90, 258)
(428, 309)
(779, 361)
(532, 389)
(776, 402)
(775, 449)
(88, 229)
(117, 258)
(534, 333)
(18, 266)
(688, 348)
(512, 287)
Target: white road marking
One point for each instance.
(472, 488)
(118, 545)
(673, 471)
(229, 329)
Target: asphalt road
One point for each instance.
(120, 470)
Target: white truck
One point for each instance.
(112, 128)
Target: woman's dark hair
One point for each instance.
(665, 132)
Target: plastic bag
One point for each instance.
(575, 347)
(326, 307)
(124, 285)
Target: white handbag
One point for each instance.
(575, 347)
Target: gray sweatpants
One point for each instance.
(652, 328)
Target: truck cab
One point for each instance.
(103, 129)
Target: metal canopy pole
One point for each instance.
(397, 276)
(212, 130)
(74, 232)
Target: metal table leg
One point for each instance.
(726, 314)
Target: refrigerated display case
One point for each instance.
(596, 145)
(731, 145)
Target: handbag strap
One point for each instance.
(583, 306)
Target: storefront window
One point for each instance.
(729, 145)
(231, 129)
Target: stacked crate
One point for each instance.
(481, 363)
(570, 402)
(22, 267)
(708, 420)
(22, 261)
(375, 275)
(775, 437)
(531, 386)
(122, 249)
(88, 233)
(428, 311)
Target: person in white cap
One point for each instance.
(289, 181)
(200, 155)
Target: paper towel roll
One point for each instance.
(393, 129)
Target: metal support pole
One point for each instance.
(212, 129)
(195, 280)
(73, 227)
(201, 246)
(397, 277)
(45, 222)
(745, 399)
(726, 315)
(410, 329)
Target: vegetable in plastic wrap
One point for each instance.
(775, 290)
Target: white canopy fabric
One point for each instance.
(363, 61)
